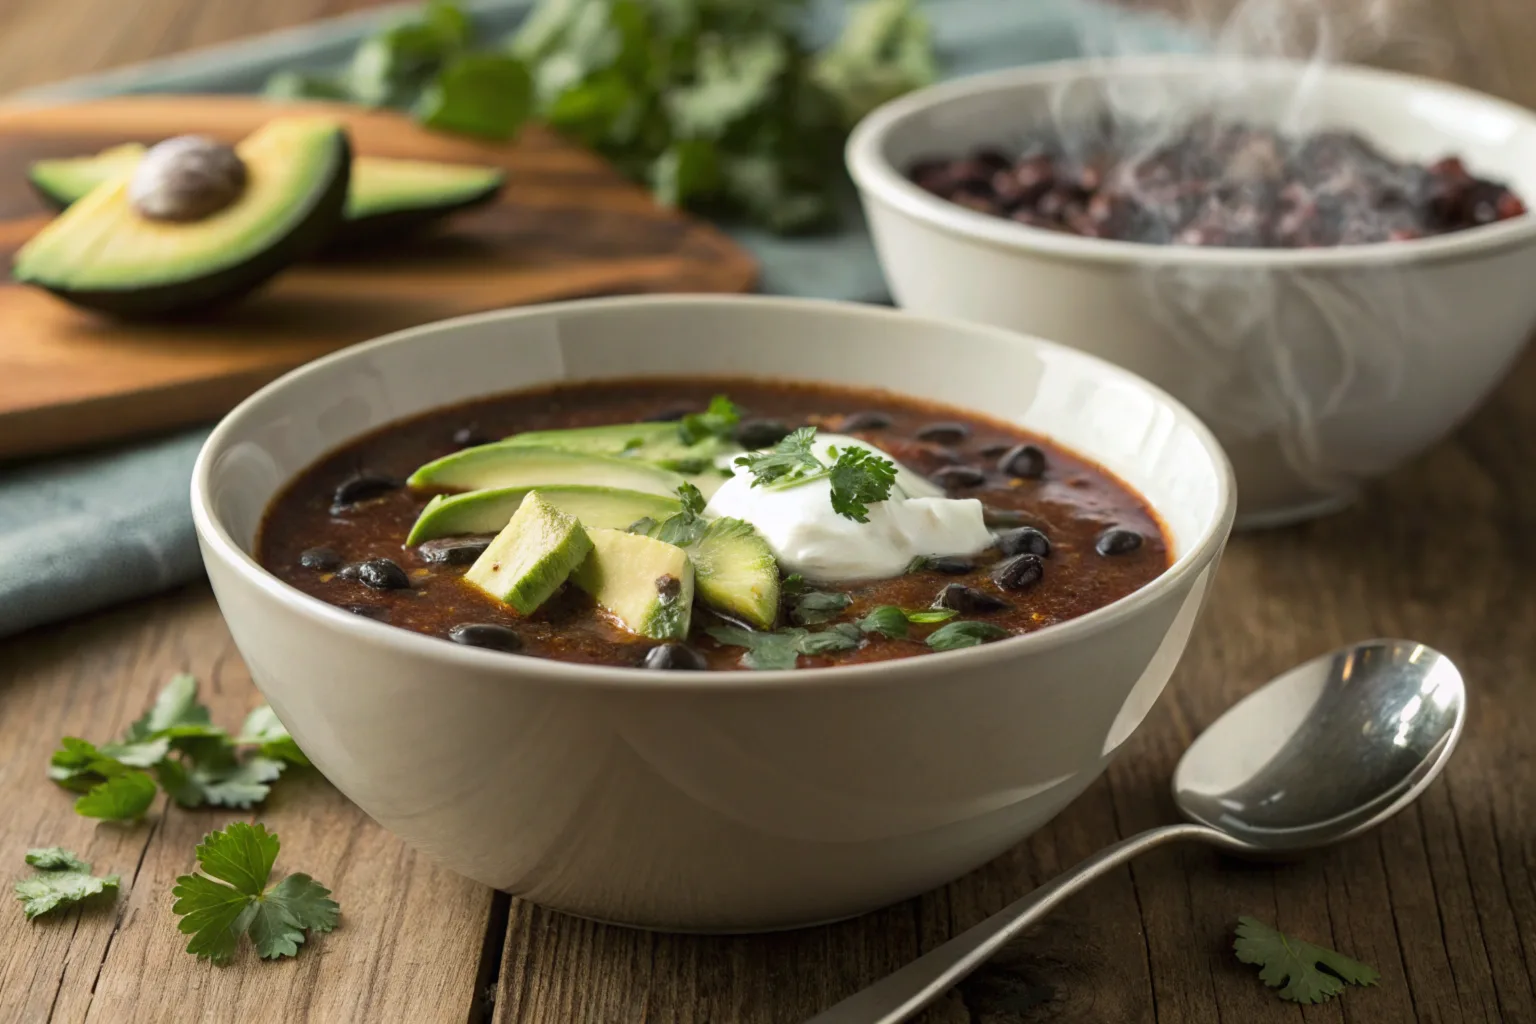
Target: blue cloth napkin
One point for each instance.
(84, 532)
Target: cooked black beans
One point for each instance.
(1019, 572)
(469, 437)
(454, 550)
(486, 634)
(668, 416)
(956, 478)
(320, 559)
(1026, 462)
(377, 573)
(362, 487)
(996, 448)
(675, 657)
(1117, 541)
(1024, 540)
(751, 434)
(368, 611)
(944, 433)
(949, 565)
(968, 600)
(858, 421)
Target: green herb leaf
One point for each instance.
(860, 477)
(887, 620)
(482, 94)
(231, 898)
(62, 880)
(814, 607)
(297, 85)
(791, 460)
(691, 497)
(926, 615)
(845, 636)
(733, 78)
(717, 421)
(1309, 974)
(176, 705)
(765, 651)
(123, 797)
(263, 730)
(886, 49)
(793, 586)
(964, 634)
(79, 766)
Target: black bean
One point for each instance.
(377, 573)
(668, 585)
(1025, 461)
(461, 550)
(469, 437)
(486, 634)
(668, 415)
(944, 433)
(320, 559)
(999, 518)
(957, 477)
(1117, 541)
(995, 448)
(368, 611)
(359, 487)
(855, 422)
(949, 565)
(674, 656)
(752, 434)
(968, 600)
(1019, 572)
(1024, 540)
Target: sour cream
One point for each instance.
(809, 538)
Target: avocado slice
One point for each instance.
(486, 511)
(737, 572)
(531, 556)
(656, 443)
(102, 254)
(385, 197)
(500, 465)
(645, 583)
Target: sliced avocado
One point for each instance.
(531, 556)
(646, 584)
(657, 443)
(737, 572)
(486, 511)
(386, 196)
(502, 465)
(104, 254)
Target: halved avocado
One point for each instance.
(488, 511)
(385, 196)
(500, 465)
(103, 254)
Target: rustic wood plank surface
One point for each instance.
(1442, 900)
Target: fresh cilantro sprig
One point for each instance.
(781, 649)
(683, 527)
(61, 879)
(813, 607)
(718, 421)
(956, 635)
(231, 898)
(1308, 973)
(859, 476)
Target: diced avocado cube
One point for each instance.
(645, 583)
(532, 555)
(737, 572)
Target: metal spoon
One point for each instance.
(1320, 754)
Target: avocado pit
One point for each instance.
(187, 178)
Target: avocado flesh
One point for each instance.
(645, 583)
(501, 465)
(531, 556)
(656, 443)
(736, 572)
(487, 511)
(102, 254)
(384, 194)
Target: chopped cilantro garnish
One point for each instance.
(814, 607)
(1309, 974)
(859, 477)
(781, 649)
(717, 421)
(964, 634)
(61, 880)
(887, 620)
(844, 636)
(789, 461)
(231, 898)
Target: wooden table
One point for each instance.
(1442, 899)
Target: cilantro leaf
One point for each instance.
(793, 586)
(484, 94)
(176, 705)
(965, 634)
(887, 620)
(263, 730)
(790, 460)
(123, 797)
(717, 421)
(231, 898)
(1309, 974)
(682, 528)
(859, 477)
(691, 497)
(813, 607)
(765, 651)
(62, 879)
(79, 766)
(845, 636)
(886, 49)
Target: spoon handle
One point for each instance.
(898, 996)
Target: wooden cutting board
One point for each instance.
(567, 226)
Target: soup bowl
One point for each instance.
(1318, 369)
(711, 801)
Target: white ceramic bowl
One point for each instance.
(1317, 369)
(711, 800)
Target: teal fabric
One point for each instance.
(83, 532)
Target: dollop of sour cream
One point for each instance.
(809, 538)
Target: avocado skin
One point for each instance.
(47, 198)
(202, 293)
(380, 227)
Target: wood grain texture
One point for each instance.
(566, 226)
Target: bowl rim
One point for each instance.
(216, 542)
(877, 178)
